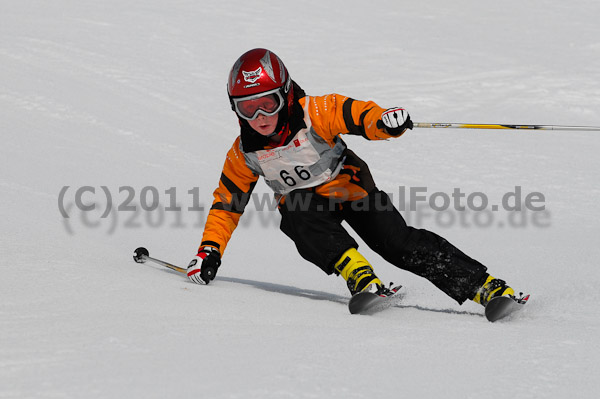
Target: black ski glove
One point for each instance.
(203, 268)
(395, 121)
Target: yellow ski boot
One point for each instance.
(357, 272)
(492, 288)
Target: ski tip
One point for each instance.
(360, 301)
(139, 255)
(504, 306)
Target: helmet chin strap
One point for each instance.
(279, 132)
(281, 127)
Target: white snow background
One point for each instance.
(133, 93)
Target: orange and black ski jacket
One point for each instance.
(312, 156)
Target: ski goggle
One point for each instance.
(267, 103)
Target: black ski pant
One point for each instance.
(314, 224)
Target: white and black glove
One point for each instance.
(395, 121)
(203, 268)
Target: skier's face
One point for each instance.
(264, 125)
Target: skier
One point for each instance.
(294, 142)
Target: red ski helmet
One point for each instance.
(257, 73)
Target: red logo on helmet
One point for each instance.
(252, 76)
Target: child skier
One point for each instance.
(294, 142)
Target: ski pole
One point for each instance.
(141, 255)
(497, 126)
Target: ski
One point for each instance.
(367, 303)
(503, 306)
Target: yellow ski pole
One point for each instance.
(499, 126)
(141, 255)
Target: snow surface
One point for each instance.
(132, 93)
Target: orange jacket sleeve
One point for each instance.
(334, 114)
(230, 198)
